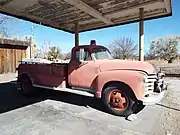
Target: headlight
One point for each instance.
(145, 81)
(145, 78)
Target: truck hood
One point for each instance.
(115, 64)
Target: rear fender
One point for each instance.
(24, 74)
(133, 79)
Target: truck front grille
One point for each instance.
(150, 82)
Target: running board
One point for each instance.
(84, 93)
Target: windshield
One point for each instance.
(102, 53)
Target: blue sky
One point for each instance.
(153, 28)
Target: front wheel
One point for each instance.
(117, 100)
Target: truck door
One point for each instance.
(83, 74)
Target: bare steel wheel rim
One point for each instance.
(118, 100)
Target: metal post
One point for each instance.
(76, 34)
(141, 34)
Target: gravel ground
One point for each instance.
(170, 115)
(64, 113)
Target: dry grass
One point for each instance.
(157, 62)
(165, 64)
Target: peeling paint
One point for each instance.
(60, 12)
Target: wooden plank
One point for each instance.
(89, 10)
(8, 60)
(5, 61)
(1, 60)
(24, 53)
(11, 59)
(14, 55)
(21, 54)
(15, 58)
(18, 54)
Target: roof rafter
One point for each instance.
(167, 3)
(154, 3)
(39, 20)
(89, 10)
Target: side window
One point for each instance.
(86, 55)
(77, 55)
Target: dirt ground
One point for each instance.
(167, 68)
(170, 115)
(55, 113)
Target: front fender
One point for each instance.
(134, 79)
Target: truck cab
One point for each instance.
(83, 67)
(121, 84)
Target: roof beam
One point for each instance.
(89, 10)
(132, 18)
(35, 19)
(2, 2)
(167, 3)
(129, 11)
(20, 4)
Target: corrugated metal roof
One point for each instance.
(91, 14)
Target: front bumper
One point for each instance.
(153, 98)
(154, 91)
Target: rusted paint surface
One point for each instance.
(132, 79)
(49, 75)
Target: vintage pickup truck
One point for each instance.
(119, 83)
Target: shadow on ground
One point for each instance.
(11, 98)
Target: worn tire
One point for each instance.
(120, 88)
(26, 86)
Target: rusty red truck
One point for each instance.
(119, 83)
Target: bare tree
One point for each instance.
(67, 56)
(4, 20)
(54, 53)
(165, 48)
(123, 48)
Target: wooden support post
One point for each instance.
(76, 34)
(141, 34)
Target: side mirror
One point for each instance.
(81, 55)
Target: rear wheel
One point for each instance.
(26, 86)
(117, 100)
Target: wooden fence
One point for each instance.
(11, 52)
(9, 59)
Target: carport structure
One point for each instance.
(76, 16)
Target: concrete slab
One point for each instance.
(55, 113)
(51, 117)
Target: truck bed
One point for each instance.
(48, 75)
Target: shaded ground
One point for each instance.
(65, 113)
